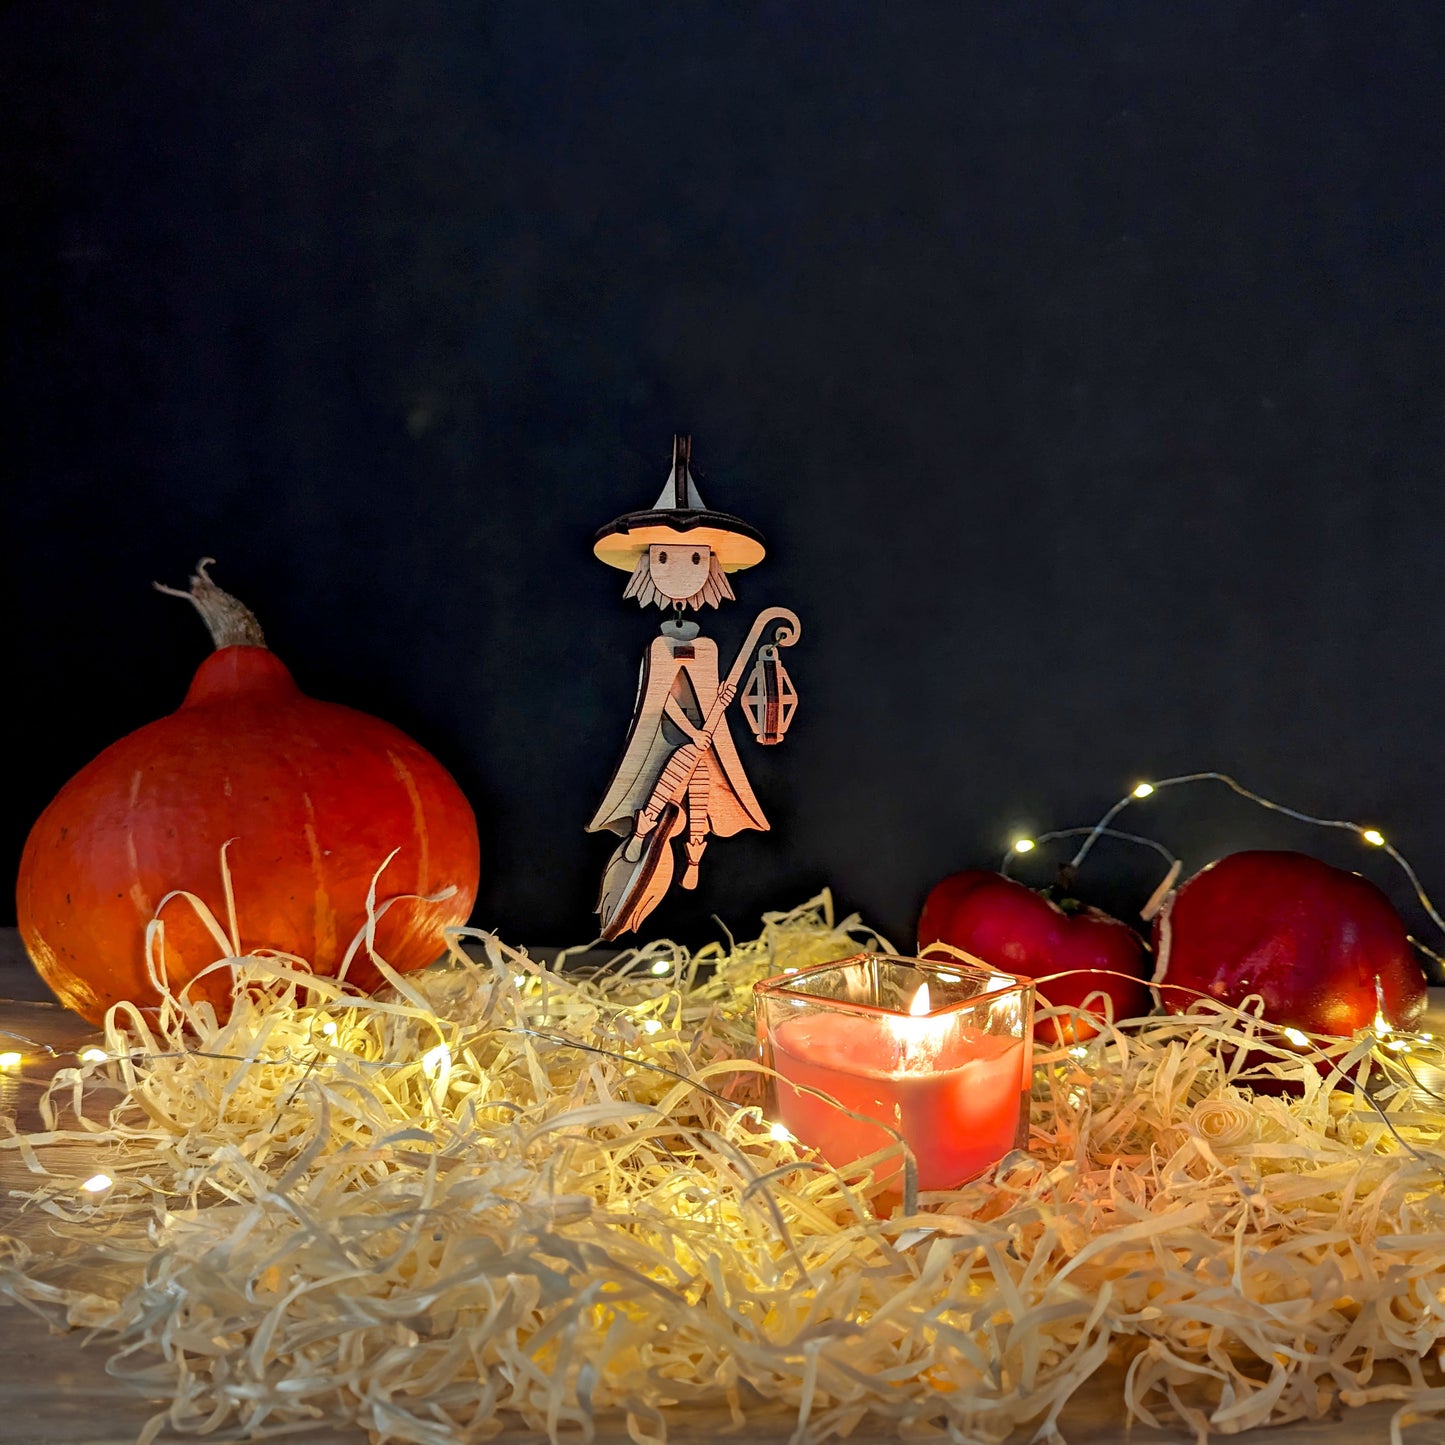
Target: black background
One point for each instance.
(1082, 365)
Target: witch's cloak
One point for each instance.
(679, 676)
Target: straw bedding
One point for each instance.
(503, 1195)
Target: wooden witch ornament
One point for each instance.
(680, 774)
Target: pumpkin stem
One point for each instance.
(230, 622)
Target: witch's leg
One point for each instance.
(698, 792)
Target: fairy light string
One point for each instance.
(1021, 846)
(1140, 792)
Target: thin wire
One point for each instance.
(1359, 830)
(1056, 833)
(34, 1043)
(1426, 950)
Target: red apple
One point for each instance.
(1011, 927)
(1322, 947)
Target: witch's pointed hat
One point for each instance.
(679, 516)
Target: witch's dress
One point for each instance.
(679, 676)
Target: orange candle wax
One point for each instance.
(873, 1048)
(957, 1105)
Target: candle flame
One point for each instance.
(920, 1032)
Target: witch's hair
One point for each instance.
(713, 590)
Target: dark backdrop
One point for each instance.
(1081, 363)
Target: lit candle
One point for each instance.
(941, 1056)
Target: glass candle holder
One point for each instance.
(941, 1052)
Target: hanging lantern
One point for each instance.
(770, 699)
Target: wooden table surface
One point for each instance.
(54, 1391)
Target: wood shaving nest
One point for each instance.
(502, 1195)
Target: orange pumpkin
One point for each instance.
(308, 798)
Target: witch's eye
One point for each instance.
(696, 558)
(662, 557)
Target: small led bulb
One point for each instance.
(1024, 845)
(10, 1059)
(1143, 790)
(93, 1056)
(1373, 836)
(97, 1183)
(661, 967)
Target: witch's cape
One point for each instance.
(687, 672)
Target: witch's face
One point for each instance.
(679, 570)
